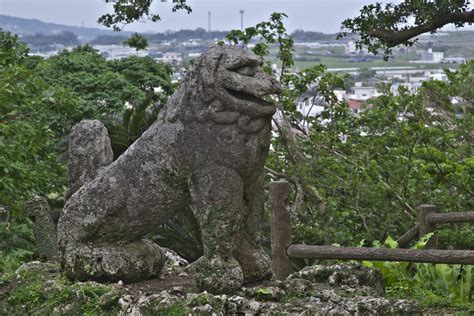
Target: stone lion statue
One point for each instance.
(205, 152)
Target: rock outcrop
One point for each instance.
(205, 152)
(316, 290)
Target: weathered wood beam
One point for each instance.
(405, 239)
(453, 217)
(382, 254)
(280, 228)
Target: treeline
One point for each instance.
(202, 34)
(185, 35)
(310, 36)
(65, 38)
(109, 40)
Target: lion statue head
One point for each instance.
(227, 85)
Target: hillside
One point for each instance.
(22, 26)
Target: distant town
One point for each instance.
(408, 67)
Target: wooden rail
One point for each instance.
(282, 249)
(382, 254)
(454, 217)
(429, 218)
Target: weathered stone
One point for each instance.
(211, 269)
(296, 286)
(37, 279)
(206, 152)
(89, 151)
(44, 228)
(174, 261)
(267, 293)
(352, 275)
(110, 298)
(129, 262)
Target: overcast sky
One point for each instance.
(316, 15)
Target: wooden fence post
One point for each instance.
(425, 225)
(280, 228)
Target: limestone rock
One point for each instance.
(351, 275)
(44, 228)
(205, 153)
(89, 151)
(62, 297)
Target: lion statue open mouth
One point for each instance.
(205, 153)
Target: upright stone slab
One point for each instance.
(205, 152)
(89, 151)
(44, 228)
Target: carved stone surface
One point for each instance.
(89, 151)
(44, 228)
(206, 152)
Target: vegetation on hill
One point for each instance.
(34, 26)
(65, 38)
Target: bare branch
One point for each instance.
(394, 38)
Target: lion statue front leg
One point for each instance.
(216, 194)
(255, 262)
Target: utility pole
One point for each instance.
(242, 19)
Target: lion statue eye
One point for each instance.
(246, 71)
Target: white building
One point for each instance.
(412, 87)
(454, 60)
(351, 47)
(171, 58)
(361, 93)
(309, 107)
(430, 56)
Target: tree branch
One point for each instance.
(398, 37)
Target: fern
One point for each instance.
(431, 284)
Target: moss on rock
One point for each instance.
(41, 289)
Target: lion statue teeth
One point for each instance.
(204, 155)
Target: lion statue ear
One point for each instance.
(236, 61)
(200, 86)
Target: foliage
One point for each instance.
(126, 12)
(126, 94)
(16, 247)
(32, 114)
(392, 158)
(43, 292)
(373, 169)
(183, 235)
(137, 41)
(433, 285)
(176, 309)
